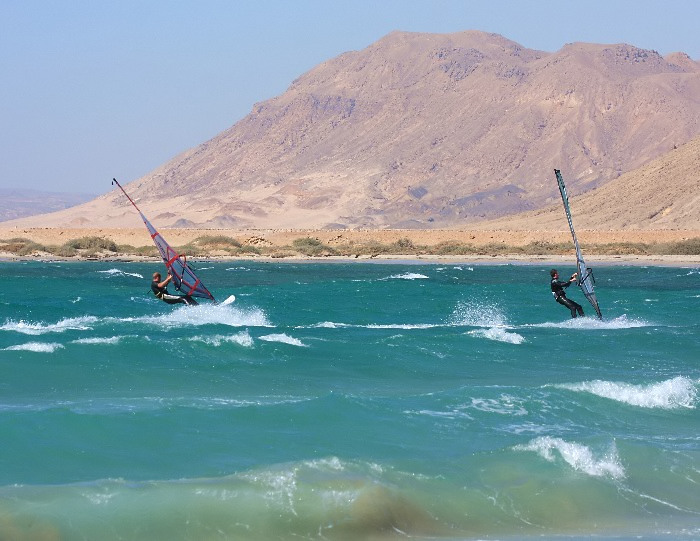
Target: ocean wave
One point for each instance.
(406, 276)
(499, 334)
(69, 324)
(401, 326)
(241, 338)
(325, 498)
(454, 413)
(98, 340)
(283, 338)
(38, 347)
(592, 323)
(329, 325)
(118, 405)
(118, 272)
(679, 392)
(576, 455)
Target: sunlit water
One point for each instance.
(348, 401)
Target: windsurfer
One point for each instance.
(558, 287)
(160, 290)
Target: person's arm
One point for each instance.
(166, 281)
(571, 280)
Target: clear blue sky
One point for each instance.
(93, 89)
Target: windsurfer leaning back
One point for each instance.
(560, 295)
(160, 290)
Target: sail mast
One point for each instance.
(586, 281)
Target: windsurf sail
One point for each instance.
(586, 281)
(184, 279)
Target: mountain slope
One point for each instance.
(664, 194)
(423, 130)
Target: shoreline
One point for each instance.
(592, 260)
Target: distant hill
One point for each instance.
(664, 194)
(422, 131)
(20, 203)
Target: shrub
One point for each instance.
(312, 247)
(683, 247)
(452, 247)
(217, 242)
(95, 244)
(21, 246)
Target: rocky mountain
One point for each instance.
(425, 131)
(664, 194)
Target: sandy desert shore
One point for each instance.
(139, 237)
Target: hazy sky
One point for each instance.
(94, 89)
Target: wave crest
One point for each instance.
(576, 455)
(679, 392)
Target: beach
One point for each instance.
(488, 245)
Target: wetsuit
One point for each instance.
(560, 296)
(162, 294)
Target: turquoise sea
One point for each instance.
(348, 401)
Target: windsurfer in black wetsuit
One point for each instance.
(160, 290)
(560, 295)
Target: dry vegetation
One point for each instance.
(225, 246)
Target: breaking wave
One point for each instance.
(679, 392)
(283, 338)
(576, 455)
(69, 324)
(37, 347)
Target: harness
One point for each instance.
(557, 289)
(158, 291)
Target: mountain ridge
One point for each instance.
(426, 131)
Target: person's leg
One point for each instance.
(172, 299)
(579, 308)
(569, 304)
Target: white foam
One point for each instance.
(208, 314)
(118, 272)
(679, 392)
(241, 338)
(98, 340)
(75, 324)
(578, 456)
(504, 405)
(407, 276)
(403, 326)
(592, 323)
(38, 347)
(283, 338)
(329, 325)
(456, 413)
(499, 334)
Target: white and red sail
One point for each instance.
(184, 279)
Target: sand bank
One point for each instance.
(493, 244)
